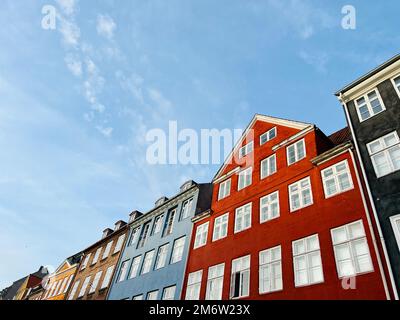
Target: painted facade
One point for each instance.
(153, 262)
(288, 220)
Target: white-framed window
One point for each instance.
(135, 267)
(396, 83)
(215, 282)
(97, 255)
(268, 136)
(85, 262)
(243, 218)
(337, 179)
(84, 287)
(296, 152)
(351, 250)
(247, 149)
(139, 297)
(74, 289)
(107, 277)
(64, 282)
(270, 270)
(123, 271)
(300, 194)
(395, 220)
(240, 277)
(161, 256)
(119, 244)
(107, 250)
(95, 283)
(385, 154)
(57, 288)
(169, 293)
(221, 227)
(268, 167)
(169, 225)
(269, 207)
(153, 295)
(187, 209)
(158, 224)
(147, 262)
(177, 251)
(65, 289)
(224, 189)
(144, 234)
(369, 105)
(194, 285)
(307, 261)
(201, 235)
(134, 236)
(245, 178)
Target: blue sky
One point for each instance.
(76, 102)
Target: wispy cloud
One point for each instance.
(106, 26)
(318, 60)
(74, 64)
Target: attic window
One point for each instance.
(244, 151)
(268, 136)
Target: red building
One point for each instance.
(288, 221)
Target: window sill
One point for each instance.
(270, 292)
(362, 121)
(239, 231)
(296, 210)
(269, 220)
(339, 193)
(309, 285)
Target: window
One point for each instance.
(170, 222)
(221, 227)
(385, 154)
(270, 272)
(135, 267)
(224, 189)
(296, 152)
(95, 282)
(396, 82)
(169, 293)
(351, 250)
(73, 291)
(63, 283)
(107, 250)
(148, 260)
(97, 255)
(57, 288)
(240, 278)
(300, 194)
(244, 151)
(153, 295)
(396, 228)
(307, 261)
(369, 105)
(134, 236)
(337, 179)
(158, 223)
(84, 287)
(268, 167)
(66, 287)
(201, 235)
(138, 297)
(269, 207)
(268, 136)
(245, 178)
(215, 282)
(243, 218)
(161, 256)
(186, 209)
(107, 277)
(177, 251)
(194, 285)
(144, 235)
(123, 271)
(85, 262)
(119, 244)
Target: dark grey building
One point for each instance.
(372, 107)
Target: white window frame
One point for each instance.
(107, 250)
(107, 277)
(242, 175)
(187, 208)
(96, 256)
(368, 104)
(245, 268)
(269, 264)
(193, 287)
(222, 231)
(268, 164)
(153, 295)
(138, 297)
(296, 151)
(123, 271)
(268, 206)
(135, 267)
(95, 283)
(177, 251)
(201, 235)
(85, 262)
(268, 134)
(335, 177)
(349, 241)
(215, 279)
(85, 284)
(74, 289)
(148, 262)
(167, 293)
(134, 236)
(120, 243)
(385, 151)
(300, 191)
(394, 220)
(242, 216)
(248, 148)
(397, 88)
(224, 190)
(158, 224)
(161, 259)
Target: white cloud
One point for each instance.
(317, 60)
(74, 65)
(106, 26)
(161, 102)
(70, 31)
(107, 132)
(68, 6)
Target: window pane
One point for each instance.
(382, 165)
(395, 156)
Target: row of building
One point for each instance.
(291, 214)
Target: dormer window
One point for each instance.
(268, 136)
(248, 148)
(369, 105)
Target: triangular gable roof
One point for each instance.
(63, 266)
(259, 117)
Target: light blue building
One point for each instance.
(153, 262)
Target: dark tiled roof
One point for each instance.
(340, 136)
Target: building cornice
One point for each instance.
(332, 153)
